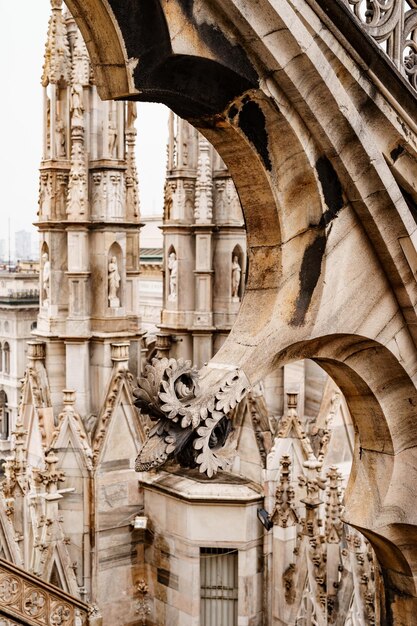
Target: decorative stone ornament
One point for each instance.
(192, 426)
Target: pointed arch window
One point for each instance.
(6, 358)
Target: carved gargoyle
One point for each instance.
(192, 424)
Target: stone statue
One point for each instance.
(173, 273)
(77, 107)
(236, 273)
(46, 273)
(60, 140)
(114, 283)
(112, 135)
(131, 115)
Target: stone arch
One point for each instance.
(276, 109)
(382, 400)
(115, 276)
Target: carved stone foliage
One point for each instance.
(204, 185)
(192, 425)
(284, 513)
(80, 61)
(57, 65)
(77, 188)
(30, 601)
(338, 563)
(131, 179)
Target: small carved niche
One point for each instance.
(172, 274)
(237, 269)
(114, 276)
(45, 275)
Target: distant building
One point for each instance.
(19, 302)
(23, 245)
(151, 283)
(3, 250)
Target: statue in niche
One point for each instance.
(77, 107)
(236, 274)
(114, 282)
(45, 196)
(60, 139)
(173, 276)
(46, 274)
(112, 135)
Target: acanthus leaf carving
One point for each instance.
(193, 425)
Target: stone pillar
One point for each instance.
(77, 368)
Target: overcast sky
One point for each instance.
(23, 28)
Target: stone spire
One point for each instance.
(204, 246)
(88, 220)
(57, 63)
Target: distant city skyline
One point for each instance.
(21, 124)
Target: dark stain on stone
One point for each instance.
(192, 86)
(411, 203)
(252, 122)
(187, 7)
(396, 152)
(309, 276)
(231, 54)
(332, 190)
(145, 31)
(233, 111)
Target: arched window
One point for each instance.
(6, 358)
(1, 357)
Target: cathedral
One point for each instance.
(248, 458)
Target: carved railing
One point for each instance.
(25, 599)
(393, 25)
